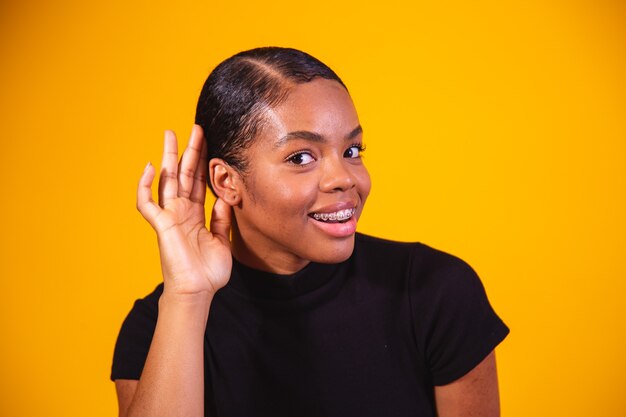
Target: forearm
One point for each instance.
(172, 382)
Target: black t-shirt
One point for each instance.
(370, 336)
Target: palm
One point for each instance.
(193, 259)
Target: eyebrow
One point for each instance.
(314, 137)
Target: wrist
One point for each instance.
(192, 304)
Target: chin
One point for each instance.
(335, 253)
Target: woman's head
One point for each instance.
(285, 146)
(242, 88)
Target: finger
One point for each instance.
(145, 204)
(168, 182)
(189, 163)
(221, 220)
(198, 192)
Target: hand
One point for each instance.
(194, 260)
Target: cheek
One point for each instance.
(364, 183)
(277, 195)
(294, 196)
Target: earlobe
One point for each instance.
(225, 181)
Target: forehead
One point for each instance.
(320, 106)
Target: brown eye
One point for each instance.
(301, 158)
(353, 151)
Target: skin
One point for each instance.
(305, 160)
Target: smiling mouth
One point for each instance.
(340, 216)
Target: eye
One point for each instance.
(301, 158)
(354, 151)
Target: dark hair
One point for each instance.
(239, 89)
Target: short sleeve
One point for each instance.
(454, 323)
(133, 341)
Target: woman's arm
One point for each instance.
(172, 382)
(125, 389)
(195, 263)
(473, 395)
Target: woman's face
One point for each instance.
(306, 183)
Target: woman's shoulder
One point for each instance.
(417, 253)
(422, 268)
(135, 336)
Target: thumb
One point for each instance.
(221, 219)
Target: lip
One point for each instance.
(337, 230)
(335, 207)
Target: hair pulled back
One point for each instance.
(238, 91)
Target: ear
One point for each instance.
(226, 181)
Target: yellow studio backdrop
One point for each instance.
(495, 131)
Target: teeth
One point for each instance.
(340, 215)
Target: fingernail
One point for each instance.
(148, 166)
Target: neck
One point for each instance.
(255, 257)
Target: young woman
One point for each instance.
(280, 308)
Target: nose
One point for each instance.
(336, 175)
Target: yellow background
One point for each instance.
(496, 130)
